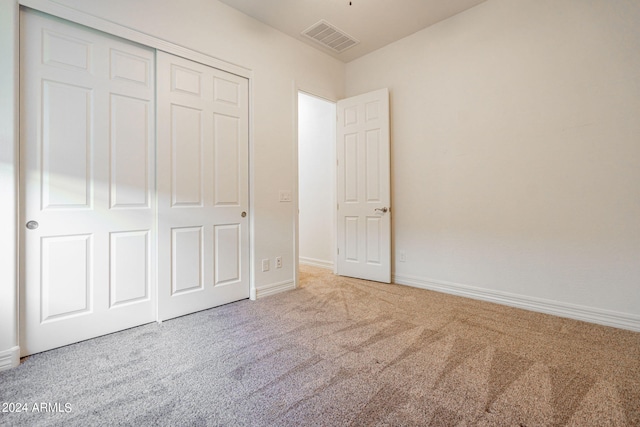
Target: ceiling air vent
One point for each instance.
(329, 36)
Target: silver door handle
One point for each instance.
(383, 210)
(32, 225)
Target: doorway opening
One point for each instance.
(316, 181)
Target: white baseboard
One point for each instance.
(274, 288)
(571, 311)
(316, 263)
(9, 358)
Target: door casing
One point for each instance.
(382, 94)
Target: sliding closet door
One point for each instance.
(203, 197)
(87, 186)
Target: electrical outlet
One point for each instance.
(285, 196)
(403, 256)
(278, 262)
(265, 265)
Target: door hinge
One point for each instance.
(338, 251)
(338, 206)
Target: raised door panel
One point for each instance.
(129, 148)
(226, 91)
(130, 68)
(371, 111)
(186, 80)
(351, 238)
(351, 116)
(351, 169)
(227, 254)
(227, 169)
(67, 276)
(129, 267)
(66, 51)
(373, 233)
(186, 156)
(372, 164)
(67, 141)
(187, 259)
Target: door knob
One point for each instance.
(32, 225)
(383, 210)
(243, 214)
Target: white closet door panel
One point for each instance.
(187, 259)
(202, 186)
(88, 165)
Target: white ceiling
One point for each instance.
(375, 23)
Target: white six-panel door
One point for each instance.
(363, 187)
(203, 196)
(87, 183)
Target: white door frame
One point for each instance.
(315, 92)
(9, 125)
(297, 88)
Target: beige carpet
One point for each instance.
(444, 360)
(338, 352)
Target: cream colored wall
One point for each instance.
(279, 64)
(516, 154)
(316, 178)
